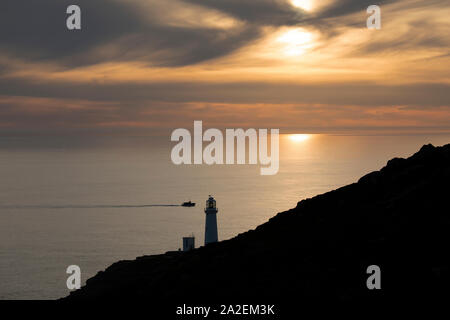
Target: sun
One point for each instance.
(303, 4)
(295, 41)
(296, 36)
(299, 137)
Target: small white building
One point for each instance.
(189, 243)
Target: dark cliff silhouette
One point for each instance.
(397, 218)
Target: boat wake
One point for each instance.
(100, 206)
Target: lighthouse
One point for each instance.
(211, 221)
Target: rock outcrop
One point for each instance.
(397, 218)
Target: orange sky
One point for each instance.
(300, 65)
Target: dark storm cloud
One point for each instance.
(36, 31)
(283, 13)
(345, 7)
(260, 12)
(329, 19)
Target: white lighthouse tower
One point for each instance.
(211, 221)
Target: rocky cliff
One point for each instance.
(397, 218)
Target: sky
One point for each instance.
(301, 66)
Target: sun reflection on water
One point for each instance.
(299, 137)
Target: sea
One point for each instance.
(93, 200)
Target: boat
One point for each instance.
(188, 204)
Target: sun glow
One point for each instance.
(303, 4)
(296, 41)
(299, 137)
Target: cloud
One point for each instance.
(171, 32)
(338, 94)
(111, 31)
(154, 63)
(258, 12)
(66, 114)
(412, 27)
(345, 7)
(159, 32)
(36, 30)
